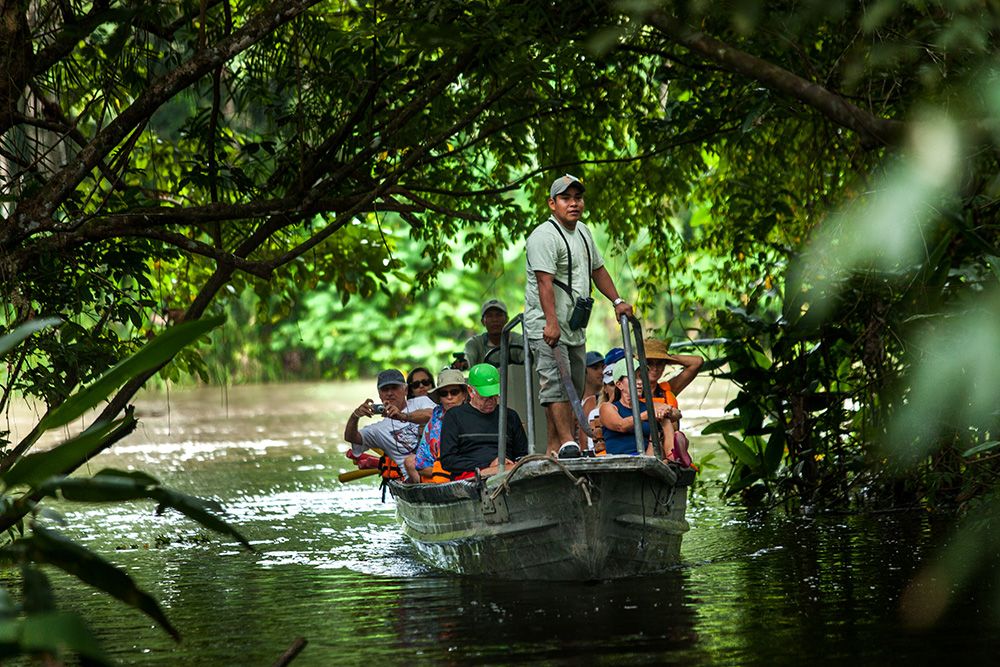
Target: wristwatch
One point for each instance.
(617, 301)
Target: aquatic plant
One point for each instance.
(33, 625)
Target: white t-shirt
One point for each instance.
(398, 439)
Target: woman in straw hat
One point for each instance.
(665, 392)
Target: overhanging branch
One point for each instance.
(874, 131)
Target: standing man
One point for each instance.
(562, 260)
(398, 433)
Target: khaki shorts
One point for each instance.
(550, 385)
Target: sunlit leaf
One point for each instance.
(981, 447)
(152, 355)
(741, 451)
(33, 469)
(10, 340)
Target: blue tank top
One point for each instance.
(616, 442)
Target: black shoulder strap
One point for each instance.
(569, 255)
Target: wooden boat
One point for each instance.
(603, 517)
(572, 519)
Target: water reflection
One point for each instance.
(331, 565)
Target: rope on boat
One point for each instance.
(504, 486)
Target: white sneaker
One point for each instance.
(569, 450)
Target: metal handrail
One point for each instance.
(640, 351)
(504, 363)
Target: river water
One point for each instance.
(330, 564)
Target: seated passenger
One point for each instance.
(657, 359)
(469, 432)
(449, 393)
(419, 382)
(592, 385)
(606, 396)
(617, 419)
(398, 433)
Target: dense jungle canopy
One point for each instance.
(829, 168)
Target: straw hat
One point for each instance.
(656, 349)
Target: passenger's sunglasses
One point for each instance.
(421, 383)
(448, 393)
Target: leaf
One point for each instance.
(723, 426)
(153, 354)
(9, 341)
(773, 452)
(980, 448)
(49, 547)
(38, 596)
(742, 483)
(198, 510)
(741, 452)
(111, 485)
(760, 359)
(34, 469)
(96, 489)
(57, 633)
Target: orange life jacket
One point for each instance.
(667, 397)
(388, 468)
(438, 474)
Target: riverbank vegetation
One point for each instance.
(828, 167)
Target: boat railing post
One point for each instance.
(632, 391)
(504, 363)
(529, 391)
(640, 348)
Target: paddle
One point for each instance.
(352, 475)
(562, 363)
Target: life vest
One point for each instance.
(664, 395)
(388, 468)
(438, 474)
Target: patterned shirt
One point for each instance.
(429, 449)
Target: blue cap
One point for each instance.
(614, 355)
(594, 358)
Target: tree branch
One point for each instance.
(34, 214)
(873, 131)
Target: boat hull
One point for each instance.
(580, 519)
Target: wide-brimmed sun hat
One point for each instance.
(449, 377)
(656, 349)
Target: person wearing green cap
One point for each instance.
(469, 431)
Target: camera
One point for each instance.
(581, 313)
(378, 408)
(461, 363)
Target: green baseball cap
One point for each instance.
(485, 379)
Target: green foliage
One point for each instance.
(152, 355)
(35, 627)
